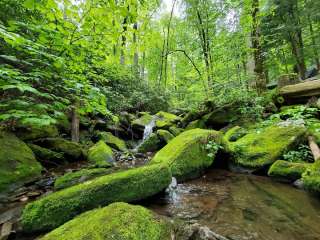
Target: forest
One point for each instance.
(159, 119)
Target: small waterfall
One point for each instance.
(148, 129)
(172, 190)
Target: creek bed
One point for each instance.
(243, 207)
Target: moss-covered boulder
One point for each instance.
(222, 116)
(70, 150)
(57, 208)
(191, 116)
(234, 134)
(199, 123)
(119, 221)
(74, 178)
(33, 132)
(287, 171)
(262, 147)
(165, 135)
(142, 121)
(175, 130)
(45, 155)
(18, 163)
(186, 154)
(165, 120)
(151, 144)
(311, 177)
(112, 141)
(101, 155)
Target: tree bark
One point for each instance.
(75, 123)
(135, 55)
(260, 78)
(314, 148)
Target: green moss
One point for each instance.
(165, 135)
(234, 134)
(33, 132)
(57, 208)
(196, 124)
(186, 155)
(73, 178)
(141, 122)
(100, 155)
(287, 170)
(151, 144)
(262, 147)
(190, 116)
(18, 163)
(166, 120)
(311, 177)
(71, 150)
(44, 154)
(112, 141)
(175, 130)
(118, 221)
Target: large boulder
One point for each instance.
(311, 177)
(46, 156)
(112, 141)
(101, 155)
(165, 120)
(186, 154)
(70, 150)
(33, 132)
(18, 163)
(74, 178)
(165, 135)
(287, 171)
(140, 123)
(57, 208)
(116, 221)
(151, 144)
(263, 146)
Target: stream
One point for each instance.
(243, 207)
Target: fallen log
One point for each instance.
(301, 90)
(314, 148)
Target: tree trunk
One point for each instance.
(75, 133)
(260, 78)
(314, 148)
(135, 55)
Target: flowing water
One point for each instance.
(148, 129)
(243, 207)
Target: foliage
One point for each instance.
(213, 148)
(302, 153)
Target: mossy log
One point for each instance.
(301, 90)
(57, 208)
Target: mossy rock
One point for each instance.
(166, 120)
(191, 116)
(71, 150)
(74, 178)
(234, 134)
(165, 135)
(119, 221)
(311, 177)
(132, 185)
(34, 132)
(175, 130)
(18, 163)
(141, 122)
(186, 155)
(151, 144)
(101, 155)
(46, 155)
(199, 123)
(285, 170)
(112, 141)
(262, 147)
